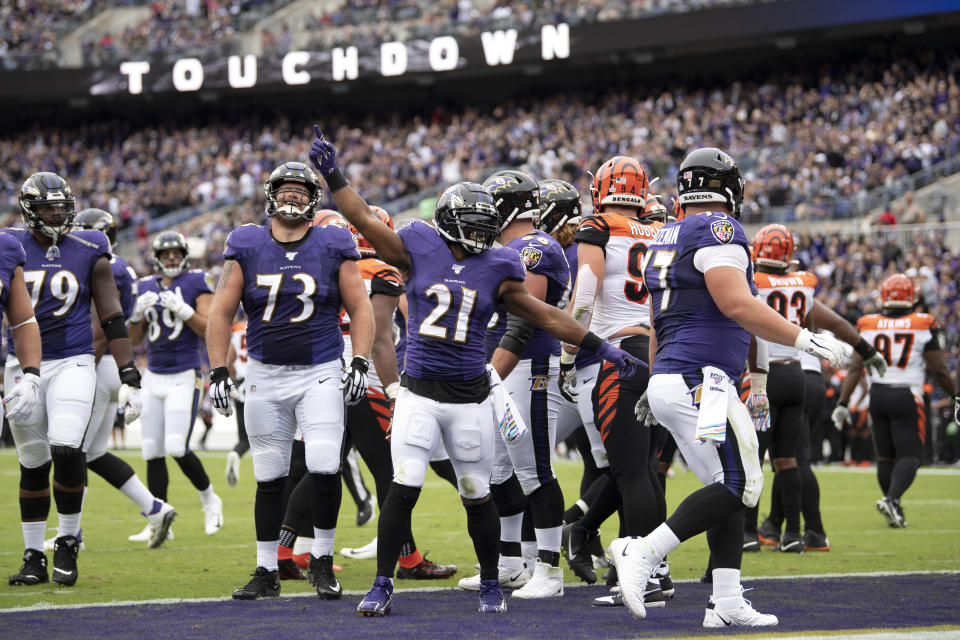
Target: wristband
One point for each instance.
(758, 382)
(864, 349)
(34, 370)
(129, 375)
(591, 342)
(336, 181)
(567, 358)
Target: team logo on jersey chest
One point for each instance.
(722, 230)
(457, 268)
(291, 255)
(531, 257)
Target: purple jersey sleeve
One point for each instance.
(12, 256)
(126, 279)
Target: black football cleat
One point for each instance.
(321, 576)
(288, 570)
(578, 553)
(768, 534)
(815, 541)
(65, 551)
(750, 543)
(33, 571)
(265, 584)
(791, 543)
(427, 570)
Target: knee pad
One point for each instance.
(323, 456)
(410, 471)
(473, 487)
(271, 488)
(151, 449)
(68, 464)
(175, 445)
(268, 464)
(35, 479)
(406, 496)
(34, 454)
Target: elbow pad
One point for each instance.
(517, 335)
(114, 328)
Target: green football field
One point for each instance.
(195, 565)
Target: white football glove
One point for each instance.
(24, 398)
(824, 346)
(144, 302)
(221, 391)
(642, 410)
(956, 409)
(839, 416)
(758, 403)
(173, 300)
(129, 402)
(354, 380)
(239, 392)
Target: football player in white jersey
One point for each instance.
(910, 344)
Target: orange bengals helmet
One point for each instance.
(897, 292)
(325, 217)
(620, 181)
(773, 246)
(655, 209)
(366, 249)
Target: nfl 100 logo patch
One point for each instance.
(722, 230)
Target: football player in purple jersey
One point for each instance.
(66, 270)
(704, 310)
(527, 358)
(292, 278)
(105, 405)
(171, 314)
(455, 279)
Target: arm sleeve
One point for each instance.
(722, 255)
(517, 335)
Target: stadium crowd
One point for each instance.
(816, 144)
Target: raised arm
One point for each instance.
(389, 246)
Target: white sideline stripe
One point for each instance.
(878, 635)
(44, 606)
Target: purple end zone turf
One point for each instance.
(802, 605)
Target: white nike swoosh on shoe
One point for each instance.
(66, 573)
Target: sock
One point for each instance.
(394, 519)
(790, 488)
(810, 498)
(904, 471)
(267, 555)
(33, 534)
(528, 549)
(69, 524)
(750, 520)
(288, 538)
(136, 491)
(410, 560)
(191, 467)
(604, 505)
(663, 540)
(83, 501)
(704, 509)
(206, 495)
(776, 503)
(726, 583)
(483, 526)
(157, 477)
(322, 542)
(884, 474)
(510, 528)
(575, 512)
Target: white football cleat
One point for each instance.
(159, 525)
(233, 468)
(213, 515)
(635, 561)
(143, 536)
(735, 612)
(510, 578)
(366, 552)
(547, 582)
